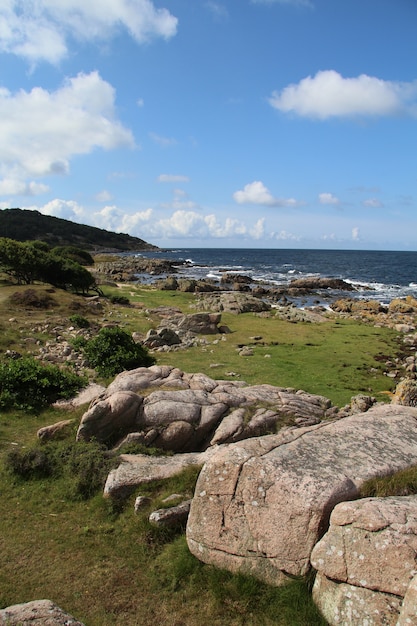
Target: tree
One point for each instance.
(27, 262)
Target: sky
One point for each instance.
(214, 123)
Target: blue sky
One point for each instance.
(214, 123)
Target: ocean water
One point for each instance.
(374, 274)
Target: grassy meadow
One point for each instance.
(107, 565)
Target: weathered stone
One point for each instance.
(371, 543)
(110, 418)
(200, 323)
(256, 499)
(361, 403)
(138, 469)
(321, 283)
(346, 605)
(55, 431)
(36, 613)
(233, 302)
(176, 436)
(230, 428)
(408, 615)
(406, 393)
(171, 517)
(141, 502)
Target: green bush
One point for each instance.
(113, 350)
(123, 300)
(28, 385)
(85, 466)
(79, 321)
(28, 464)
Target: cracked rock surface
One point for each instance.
(262, 504)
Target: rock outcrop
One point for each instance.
(138, 469)
(261, 505)
(36, 613)
(366, 561)
(181, 412)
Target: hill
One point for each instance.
(24, 225)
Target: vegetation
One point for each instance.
(28, 385)
(113, 350)
(403, 483)
(55, 521)
(56, 524)
(29, 262)
(24, 225)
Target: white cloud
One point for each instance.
(164, 142)
(373, 203)
(65, 209)
(40, 131)
(355, 234)
(328, 198)
(219, 10)
(283, 235)
(39, 30)
(328, 94)
(184, 223)
(114, 219)
(103, 196)
(257, 231)
(172, 178)
(16, 187)
(257, 193)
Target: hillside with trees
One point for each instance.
(24, 225)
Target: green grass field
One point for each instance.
(109, 566)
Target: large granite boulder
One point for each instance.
(110, 418)
(181, 412)
(261, 505)
(366, 560)
(36, 613)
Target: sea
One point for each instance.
(378, 275)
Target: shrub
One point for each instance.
(30, 298)
(27, 464)
(113, 350)
(119, 300)
(85, 466)
(29, 385)
(79, 321)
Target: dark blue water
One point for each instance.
(375, 274)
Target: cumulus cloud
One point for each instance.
(257, 231)
(65, 209)
(16, 187)
(373, 203)
(116, 220)
(355, 234)
(184, 223)
(257, 193)
(328, 198)
(328, 94)
(39, 30)
(40, 131)
(172, 178)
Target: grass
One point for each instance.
(107, 565)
